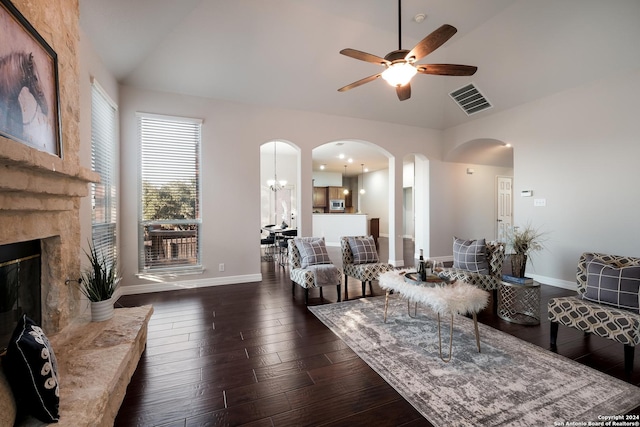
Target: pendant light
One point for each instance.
(362, 191)
(274, 184)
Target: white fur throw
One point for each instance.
(457, 298)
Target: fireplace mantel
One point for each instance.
(33, 180)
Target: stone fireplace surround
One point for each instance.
(40, 200)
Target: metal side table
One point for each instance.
(519, 303)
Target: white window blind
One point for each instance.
(103, 161)
(170, 192)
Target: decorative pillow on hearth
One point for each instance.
(617, 286)
(313, 251)
(31, 368)
(364, 250)
(470, 255)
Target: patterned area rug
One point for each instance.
(511, 383)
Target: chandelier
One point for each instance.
(275, 184)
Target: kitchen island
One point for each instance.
(332, 226)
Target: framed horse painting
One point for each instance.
(29, 91)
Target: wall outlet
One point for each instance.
(221, 267)
(539, 202)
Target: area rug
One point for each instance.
(510, 383)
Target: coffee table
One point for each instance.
(441, 296)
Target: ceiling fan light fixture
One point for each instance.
(399, 73)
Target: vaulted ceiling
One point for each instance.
(285, 53)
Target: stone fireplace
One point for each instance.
(39, 200)
(40, 193)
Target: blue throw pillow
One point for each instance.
(31, 368)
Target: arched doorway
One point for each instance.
(279, 185)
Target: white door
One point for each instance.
(505, 206)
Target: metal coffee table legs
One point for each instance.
(475, 327)
(415, 308)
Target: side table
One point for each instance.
(519, 303)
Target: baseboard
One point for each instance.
(189, 284)
(551, 281)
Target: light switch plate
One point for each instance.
(539, 202)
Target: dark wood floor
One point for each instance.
(251, 354)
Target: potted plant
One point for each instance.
(523, 241)
(98, 283)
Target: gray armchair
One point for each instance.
(489, 281)
(305, 277)
(607, 302)
(356, 266)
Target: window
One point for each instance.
(103, 161)
(169, 224)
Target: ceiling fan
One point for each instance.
(401, 65)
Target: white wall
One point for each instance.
(231, 137)
(375, 201)
(462, 205)
(327, 179)
(579, 150)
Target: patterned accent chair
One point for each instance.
(604, 319)
(364, 272)
(302, 276)
(488, 282)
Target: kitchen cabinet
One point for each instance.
(348, 201)
(319, 197)
(336, 193)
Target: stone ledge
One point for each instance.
(96, 361)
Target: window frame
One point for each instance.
(143, 268)
(104, 158)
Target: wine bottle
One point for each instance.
(422, 272)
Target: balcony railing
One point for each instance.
(170, 247)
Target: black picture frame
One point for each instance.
(29, 86)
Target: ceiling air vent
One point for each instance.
(470, 99)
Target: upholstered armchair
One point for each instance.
(360, 261)
(607, 302)
(478, 263)
(313, 271)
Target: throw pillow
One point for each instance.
(313, 251)
(364, 250)
(470, 255)
(615, 286)
(31, 368)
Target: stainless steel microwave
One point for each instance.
(336, 205)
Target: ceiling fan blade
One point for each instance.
(432, 42)
(447, 69)
(359, 82)
(404, 92)
(364, 56)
